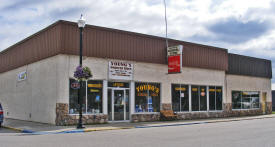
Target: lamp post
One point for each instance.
(81, 25)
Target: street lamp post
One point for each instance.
(81, 25)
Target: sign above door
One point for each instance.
(120, 70)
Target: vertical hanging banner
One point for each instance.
(174, 54)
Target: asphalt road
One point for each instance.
(247, 133)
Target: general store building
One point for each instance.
(130, 78)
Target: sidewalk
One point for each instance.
(41, 128)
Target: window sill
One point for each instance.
(200, 111)
(146, 113)
(245, 109)
(89, 114)
(215, 111)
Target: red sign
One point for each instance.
(174, 65)
(174, 54)
(75, 85)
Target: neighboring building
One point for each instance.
(273, 100)
(36, 75)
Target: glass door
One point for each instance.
(119, 105)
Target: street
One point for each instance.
(246, 133)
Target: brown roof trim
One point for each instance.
(249, 66)
(33, 35)
(139, 34)
(105, 29)
(263, 59)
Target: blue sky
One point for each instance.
(242, 26)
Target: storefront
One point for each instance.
(130, 79)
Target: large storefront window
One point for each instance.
(94, 97)
(91, 100)
(215, 98)
(199, 98)
(245, 99)
(147, 97)
(180, 97)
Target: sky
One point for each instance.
(244, 27)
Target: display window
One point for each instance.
(199, 98)
(147, 97)
(94, 96)
(245, 99)
(91, 97)
(180, 97)
(215, 98)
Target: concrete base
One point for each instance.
(145, 117)
(63, 117)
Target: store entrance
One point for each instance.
(118, 104)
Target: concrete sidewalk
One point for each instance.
(40, 128)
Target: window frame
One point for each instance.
(207, 98)
(215, 98)
(86, 94)
(188, 91)
(134, 99)
(241, 93)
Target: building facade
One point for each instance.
(273, 100)
(130, 78)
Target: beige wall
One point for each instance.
(35, 98)
(247, 83)
(147, 72)
(47, 83)
(193, 76)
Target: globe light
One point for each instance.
(81, 22)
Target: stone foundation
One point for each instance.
(63, 117)
(145, 117)
(227, 112)
(269, 107)
(227, 107)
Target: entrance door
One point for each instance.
(118, 104)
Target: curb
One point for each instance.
(18, 129)
(11, 128)
(107, 128)
(120, 128)
(202, 122)
(66, 131)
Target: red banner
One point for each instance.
(174, 65)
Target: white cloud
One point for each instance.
(188, 20)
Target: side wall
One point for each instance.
(248, 83)
(33, 99)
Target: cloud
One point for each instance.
(242, 26)
(235, 31)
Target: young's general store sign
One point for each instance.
(120, 70)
